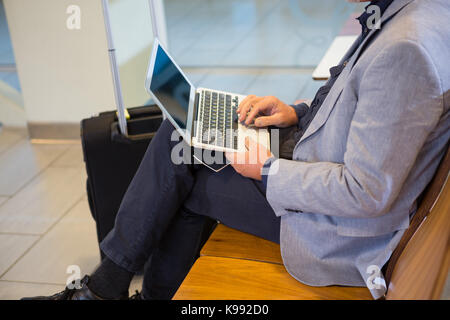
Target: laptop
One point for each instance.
(205, 118)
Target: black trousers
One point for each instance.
(169, 206)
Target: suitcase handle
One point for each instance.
(117, 136)
(142, 111)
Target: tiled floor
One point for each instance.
(261, 47)
(45, 222)
(285, 83)
(253, 32)
(41, 190)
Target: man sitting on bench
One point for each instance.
(352, 164)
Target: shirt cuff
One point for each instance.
(300, 109)
(265, 171)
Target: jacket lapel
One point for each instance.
(330, 101)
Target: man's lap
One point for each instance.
(235, 201)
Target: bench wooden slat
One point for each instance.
(421, 270)
(218, 278)
(428, 199)
(227, 242)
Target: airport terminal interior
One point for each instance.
(261, 47)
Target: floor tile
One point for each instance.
(21, 162)
(12, 247)
(285, 86)
(179, 45)
(195, 76)
(257, 49)
(72, 157)
(176, 10)
(16, 290)
(200, 58)
(209, 32)
(310, 89)
(252, 33)
(3, 200)
(286, 83)
(9, 137)
(72, 242)
(233, 82)
(43, 201)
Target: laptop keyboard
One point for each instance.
(217, 114)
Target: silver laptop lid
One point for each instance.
(171, 90)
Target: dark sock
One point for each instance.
(110, 281)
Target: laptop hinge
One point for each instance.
(194, 123)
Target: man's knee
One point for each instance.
(163, 139)
(165, 131)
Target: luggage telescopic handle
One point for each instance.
(114, 70)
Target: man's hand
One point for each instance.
(249, 163)
(268, 111)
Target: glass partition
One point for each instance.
(9, 82)
(132, 34)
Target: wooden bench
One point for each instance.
(235, 265)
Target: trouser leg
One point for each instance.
(226, 196)
(177, 251)
(154, 196)
(150, 221)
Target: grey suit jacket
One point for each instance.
(376, 142)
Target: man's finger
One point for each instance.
(258, 108)
(243, 102)
(246, 106)
(254, 111)
(266, 121)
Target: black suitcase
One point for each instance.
(112, 159)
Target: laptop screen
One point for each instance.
(171, 88)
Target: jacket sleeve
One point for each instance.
(400, 101)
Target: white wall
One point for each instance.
(64, 74)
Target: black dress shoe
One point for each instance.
(137, 296)
(83, 293)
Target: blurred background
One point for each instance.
(52, 76)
